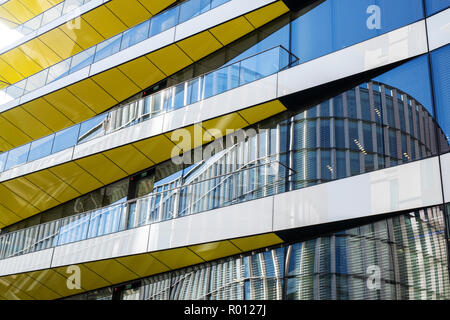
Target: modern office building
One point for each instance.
(224, 149)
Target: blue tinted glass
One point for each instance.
(193, 8)
(107, 48)
(41, 148)
(3, 160)
(17, 156)
(336, 24)
(440, 61)
(216, 3)
(193, 88)
(164, 21)
(278, 38)
(82, 60)
(434, 6)
(66, 138)
(259, 66)
(179, 96)
(404, 78)
(91, 128)
(135, 35)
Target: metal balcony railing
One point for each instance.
(223, 79)
(253, 181)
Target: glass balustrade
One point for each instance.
(253, 181)
(226, 78)
(147, 29)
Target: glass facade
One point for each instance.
(368, 262)
(396, 117)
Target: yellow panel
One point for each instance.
(53, 2)
(155, 6)
(37, 6)
(9, 73)
(30, 193)
(76, 177)
(263, 111)
(40, 53)
(18, 10)
(170, 59)
(215, 250)
(112, 271)
(177, 258)
(8, 291)
(7, 217)
(232, 30)
(84, 35)
(89, 279)
(47, 114)
(142, 71)
(60, 42)
(53, 185)
(11, 134)
(158, 148)
(15, 203)
(69, 105)
(8, 16)
(55, 282)
(129, 159)
(131, 12)
(104, 21)
(256, 242)
(92, 95)
(195, 135)
(102, 168)
(26, 123)
(200, 45)
(229, 122)
(4, 145)
(40, 292)
(260, 17)
(116, 84)
(144, 265)
(21, 62)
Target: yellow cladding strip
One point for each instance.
(33, 193)
(52, 283)
(62, 42)
(82, 100)
(21, 11)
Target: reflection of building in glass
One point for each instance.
(336, 266)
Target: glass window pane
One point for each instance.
(41, 148)
(135, 35)
(336, 24)
(179, 96)
(440, 60)
(16, 90)
(59, 70)
(91, 128)
(216, 3)
(66, 138)
(108, 48)
(17, 156)
(36, 81)
(193, 8)
(434, 6)
(193, 90)
(3, 160)
(52, 14)
(82, 59)
(164, 21)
